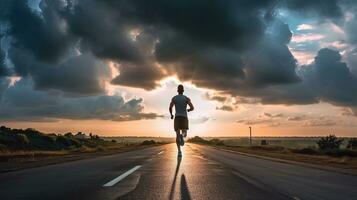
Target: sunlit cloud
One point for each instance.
(302, 27)
(300, 38)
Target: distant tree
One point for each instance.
(22, 140)
(352, 143)
(91, 135)
(330, 142)
(69, 134)
(148, 142)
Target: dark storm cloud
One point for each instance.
(331, 79)
(138, 76)
(195, 39)
(80, 74)
(215, 97)
(237, 47)
(3, 69)
(43, 34)
(326, 79)
(141, 73)
(224, 45)
(271, 62)
(351, 29)
(322, 8)
(102, 30)
(4, 83)
(43, 105)
(41, 48)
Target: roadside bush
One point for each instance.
(341, 152)
(67, 142)
(329, 143)
(352, 143)
(148, 142)
(101, 148)
(308, 151)
(8, 140)
(23, 141)
(264, 142)
(69, 134)
(217, 142)
(197, 139)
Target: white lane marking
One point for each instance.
(160, 152)
(121, 177)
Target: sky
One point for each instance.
(282, 67)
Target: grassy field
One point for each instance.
(29, 148)
(288, 142)
(301, 149)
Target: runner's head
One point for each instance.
(180, 89)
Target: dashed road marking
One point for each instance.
(121, 177)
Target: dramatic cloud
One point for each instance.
(3, 69)
(271, 62)
(329, 9)
(321, 121)
(44, 34)
(215, 97)
(264, 118)
(4, 83)
(79, 74)
(41, 105)
(331, 79)
(138, 76)
(237, 48)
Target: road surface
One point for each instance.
(157, 173)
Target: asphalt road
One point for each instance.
(157, 173)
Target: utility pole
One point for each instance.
(250, 136)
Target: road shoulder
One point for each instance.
(315, 166)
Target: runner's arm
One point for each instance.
(170, 108)
(190, 104)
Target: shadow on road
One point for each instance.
(185, 193)
(172, 191)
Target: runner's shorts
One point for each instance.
(181, 123)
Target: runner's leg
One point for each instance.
(178, 140)
(184, 133)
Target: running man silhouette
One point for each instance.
(180, 102)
